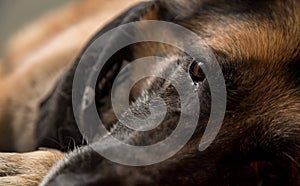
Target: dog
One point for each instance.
(256, 44)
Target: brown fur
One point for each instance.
(258, 53)
(26, 169)
(36, 58)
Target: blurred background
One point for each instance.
(15, 14)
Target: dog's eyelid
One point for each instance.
(187, 59)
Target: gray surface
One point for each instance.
(14, 14)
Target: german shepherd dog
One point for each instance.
(256, 44)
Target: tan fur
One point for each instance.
(40, 33)
(35, 59)
(33, 64)
(27, 169)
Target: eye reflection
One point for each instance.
(196, 71)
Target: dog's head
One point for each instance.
(257, 45)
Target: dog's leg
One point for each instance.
(26, 169)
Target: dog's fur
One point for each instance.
(257, 44)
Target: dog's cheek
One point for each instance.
(92, 169)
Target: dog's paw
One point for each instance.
(26, 169)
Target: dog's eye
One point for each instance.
(196, 71)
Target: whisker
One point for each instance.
(291, 158)
(69, 144)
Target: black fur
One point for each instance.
(261, 123)
(56, 127)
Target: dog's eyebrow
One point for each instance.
(180, 9)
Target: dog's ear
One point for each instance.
(56, 125)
